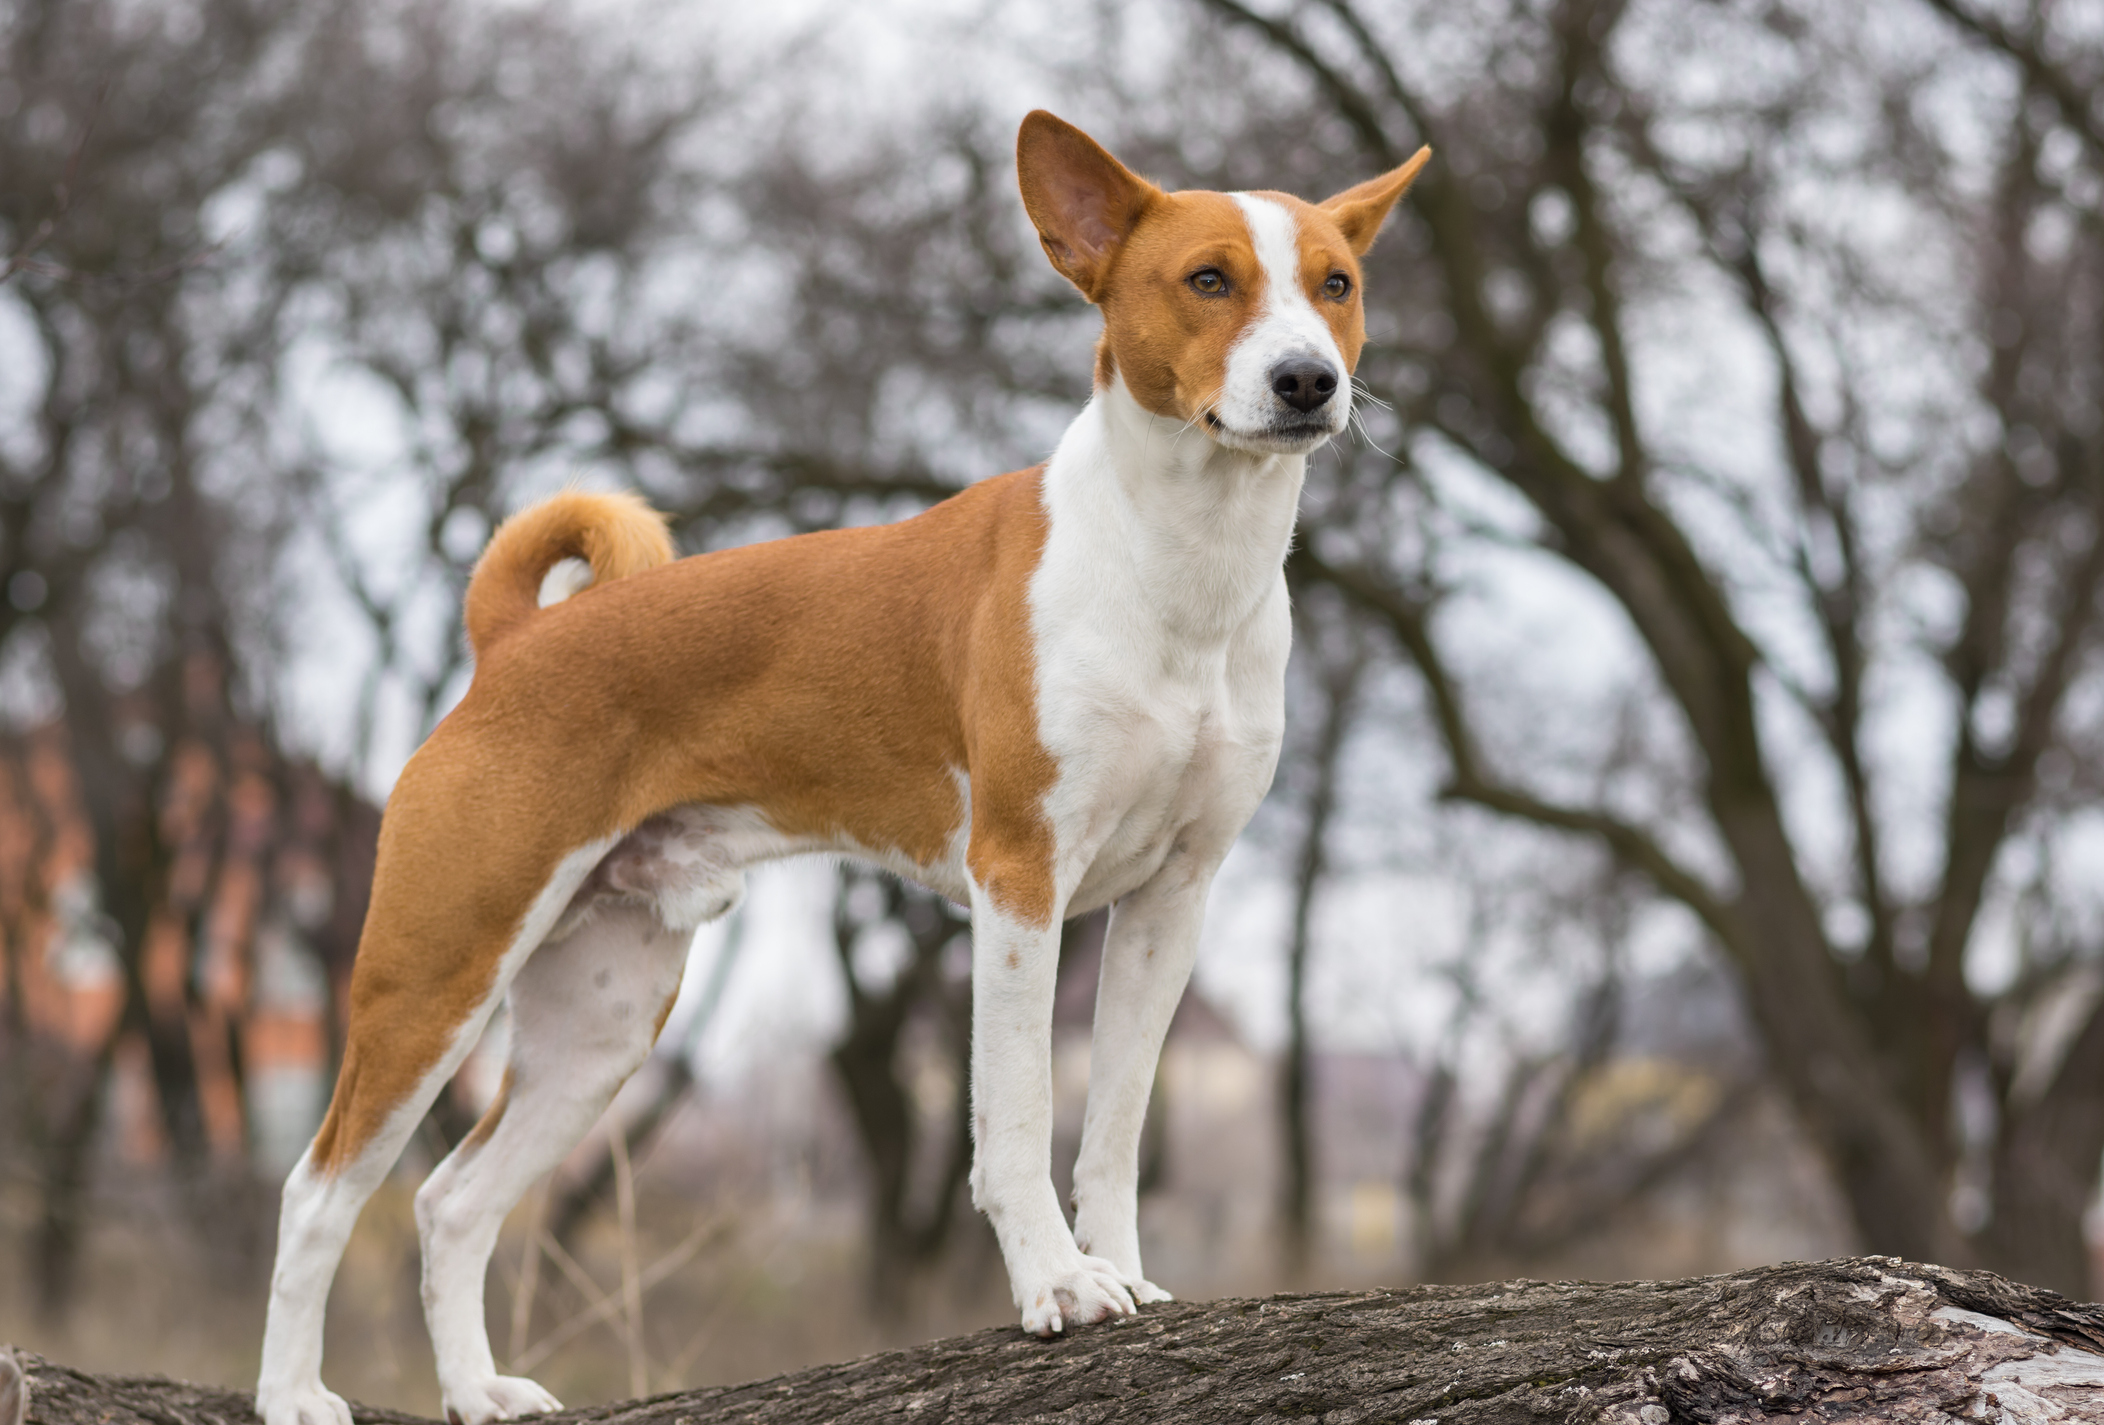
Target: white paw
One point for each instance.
(309, 1405)
(1086, 1292)
(1145, 1292)
(478, 1402)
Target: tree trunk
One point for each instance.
(1867, 1339)
(66, 1161)
(866, 1060)
(1296, 1132)
(2045, 1169)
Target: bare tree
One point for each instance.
(510, 241)
(135, 538)
(1582, 195)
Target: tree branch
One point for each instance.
(23, 259)
(1565, 127)
(2069, 95)
(1469, 782)
(1864, 1339)
(1838, 603)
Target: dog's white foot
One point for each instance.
(477, 1402)
(1085, 1291)
(1145, 1292)
(308, 1405)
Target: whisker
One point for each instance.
(1205, 408)
(1357, 425)
(1363, 396)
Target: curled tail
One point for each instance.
(617, 535)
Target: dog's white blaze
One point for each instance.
(1286, 325)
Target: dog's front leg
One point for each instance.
(1147, 957)
(1014, 966)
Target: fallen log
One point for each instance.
(1858, 1339)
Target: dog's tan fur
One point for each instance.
(1058, 690)
(845, 677)
(1129, 256)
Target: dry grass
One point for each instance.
(697, 1294)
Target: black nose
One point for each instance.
(1303, 383)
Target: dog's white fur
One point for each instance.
(1159, 617)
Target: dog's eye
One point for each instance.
(1209, 281)
(1338, 287)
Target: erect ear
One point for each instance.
(1360, 211)
(1083, 201)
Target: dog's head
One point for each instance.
(1235, 312)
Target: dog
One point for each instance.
(1060, 689)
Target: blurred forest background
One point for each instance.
(1687, 850)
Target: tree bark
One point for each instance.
(1864, 1339)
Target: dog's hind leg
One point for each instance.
(421, 991)
(584, 1013)
(370, 1118)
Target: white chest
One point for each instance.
(1161, 626)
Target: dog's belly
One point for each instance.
(687, 865)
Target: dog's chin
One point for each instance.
(1278, 438)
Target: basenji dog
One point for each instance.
(1061, 689)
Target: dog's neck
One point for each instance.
(1190, 530)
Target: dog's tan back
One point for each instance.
(833, 682)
